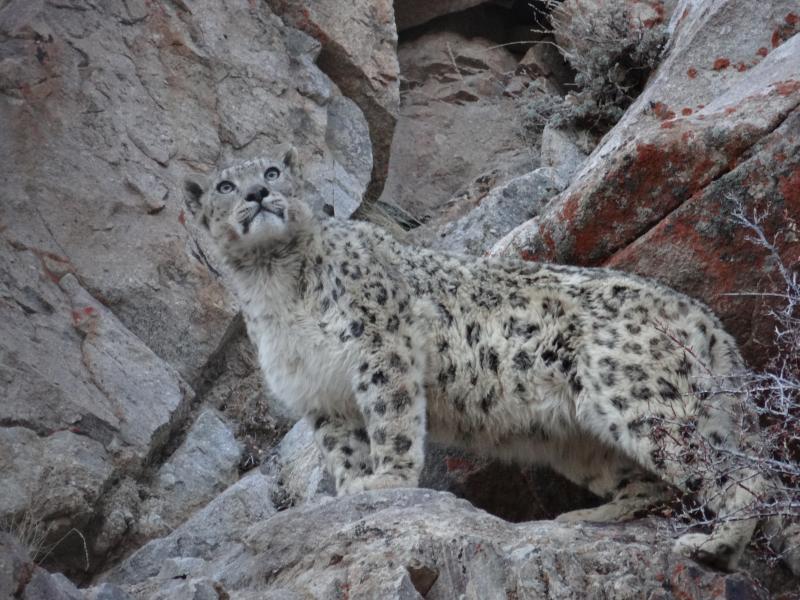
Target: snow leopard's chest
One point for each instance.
(302, 367)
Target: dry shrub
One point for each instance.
(765, 458)
(612, 53)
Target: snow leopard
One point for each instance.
(593, 372)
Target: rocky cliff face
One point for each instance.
(139, 453)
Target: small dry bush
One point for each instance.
(30, 531)
(35, 535)
(612, 54)
(765, 459)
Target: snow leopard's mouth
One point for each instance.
(254, 212)
(275, 210)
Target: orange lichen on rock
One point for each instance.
(721, 63)
(691, 72)
(588, 233)
(662, 111)
(788, 87)
(789, 187)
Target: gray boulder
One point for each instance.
(457, 136)
(204, 465)
(21, 578)
(564, 150)
(359, 53)
(411, 544)
(86, 401)
(210, 538)
(500, 211)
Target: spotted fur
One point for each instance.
(377, 344)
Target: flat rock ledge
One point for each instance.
(418, 543)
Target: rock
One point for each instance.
(351, 158)
(563, 150)
(544, 60)
(149, 398)
(106, 591)
(110, 106)
(359, 53)
(502, 209)
(399, 544)
(52, 410)
(85, 400)
(455, 125)
(699, 249)
(47, 586)
(54, 479)
(297, 465)
(21, 578)
(410, 13)
(15, 566)
(204, 465)
(697, 120)
(212, 534)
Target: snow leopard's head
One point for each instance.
(250, 205)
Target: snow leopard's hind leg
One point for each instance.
(629, 502)
(629, 489)
(784, 538)
(655, 441)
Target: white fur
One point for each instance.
(378, 343)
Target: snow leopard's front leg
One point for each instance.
(390, 394)
(345, 447)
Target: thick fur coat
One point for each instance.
(590, 371)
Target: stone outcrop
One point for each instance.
(411, 544)
(457, 136)
(21, 578)
(675, 149)
(359, 53)
(203, 466)
(500, 211)
(111, 309)
(85, 400)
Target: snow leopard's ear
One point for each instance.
(291, 160)
(193, 194)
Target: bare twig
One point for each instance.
(453, 61)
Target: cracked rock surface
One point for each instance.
(110, 308)
(411, 544)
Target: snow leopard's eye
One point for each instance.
(225, 187)
(272, 174)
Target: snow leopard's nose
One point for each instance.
(256, 193)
